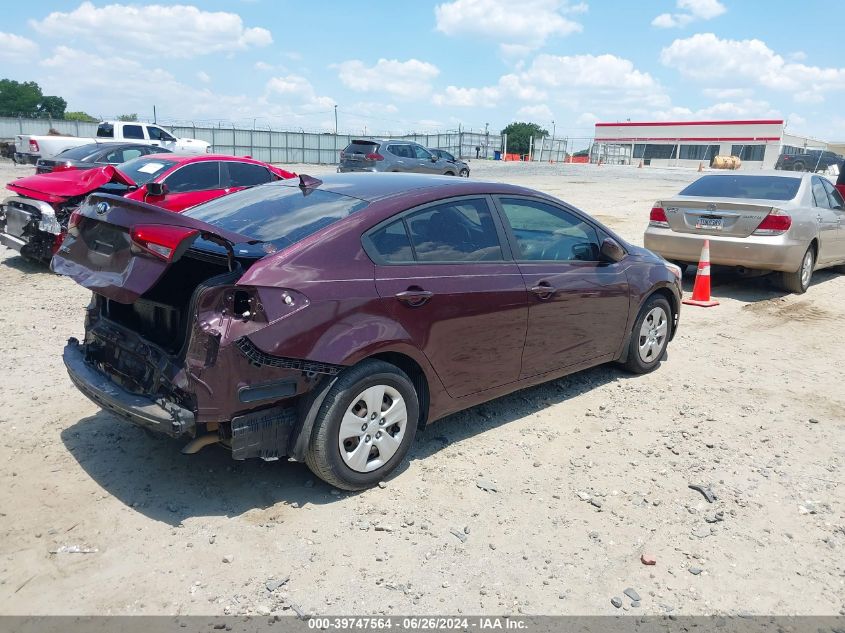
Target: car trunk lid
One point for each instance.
(120, 248)
(715, 216)
(59, 186)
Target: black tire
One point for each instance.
(635, 363)
(799, 166)
(798, 282)
(449, 173)
(323, 453)
(464, 173)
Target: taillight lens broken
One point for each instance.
(776, 223)
(161, 240)
(658, 218)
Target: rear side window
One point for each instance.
(122, 155)
(747, 187)
(457, 231)
(105, 130)
(195, 177)
(133, 131)
(403, 151)
(391, 243)
(247, 174)
(83, 152)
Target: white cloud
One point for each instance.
(530, 23)
(576, 81)
(795, 119)
(408, 79)
(726, 93)
(297, 89)
(540, 112)
(169, 31)
(692, 10)
(203, 76)
(706, 57)
(263, 66)
(16, 49)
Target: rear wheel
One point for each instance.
(364, 427)
(799, 281)
(798, 167)
(650, 336)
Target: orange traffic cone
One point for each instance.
(701, 289)
(640, 166)
(700, 166)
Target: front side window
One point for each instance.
(195, 177)
(547, 233)
(421, 152)
(133, 131)
(157, 134)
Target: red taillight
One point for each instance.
(775, 223)
(33, 145)
(342, 155)
(162, 240)
(657, 217)
(375, 156)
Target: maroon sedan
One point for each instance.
(327, 320)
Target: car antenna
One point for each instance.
(309, 182)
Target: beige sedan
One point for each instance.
(773, 221)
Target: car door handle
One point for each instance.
(543, 290)
(414, 297)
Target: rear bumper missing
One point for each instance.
(139, 410)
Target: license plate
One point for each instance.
(711, 224)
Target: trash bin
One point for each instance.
(497, 155)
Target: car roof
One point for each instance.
(197, 158)
(378, 186)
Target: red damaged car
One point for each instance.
(327, 320)
(34, 222)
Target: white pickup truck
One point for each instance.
(28, 149)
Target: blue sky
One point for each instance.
(415, 65)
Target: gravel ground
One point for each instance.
(584, 475)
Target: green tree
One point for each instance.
(80, 116)
(128, 117)
(52, 106)
(19, 99)
(519, 135)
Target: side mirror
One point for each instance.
(611, 250)
(434, 158)
(157, 189)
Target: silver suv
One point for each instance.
(390, 155)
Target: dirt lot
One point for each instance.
(591, 471)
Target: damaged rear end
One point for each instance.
(166, 333)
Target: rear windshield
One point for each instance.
(751, 187)
(80, 153)
(279, 214)
(105, 130)
(361, 147)
(143, 170)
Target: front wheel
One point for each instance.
(464, 173)
(365, 426)
(650, 336)
(799, 281)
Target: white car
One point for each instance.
(28, 149)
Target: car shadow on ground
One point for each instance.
(27, 266)
(749, 289)
(149, 474)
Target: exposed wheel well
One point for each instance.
(450, 173)
(814, 244)
(417, 376)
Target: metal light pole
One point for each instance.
(335, 120)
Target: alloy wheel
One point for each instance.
(653, 332)
(807, 268)
(372, 428)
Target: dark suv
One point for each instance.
(808, 160)
(390, 155)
